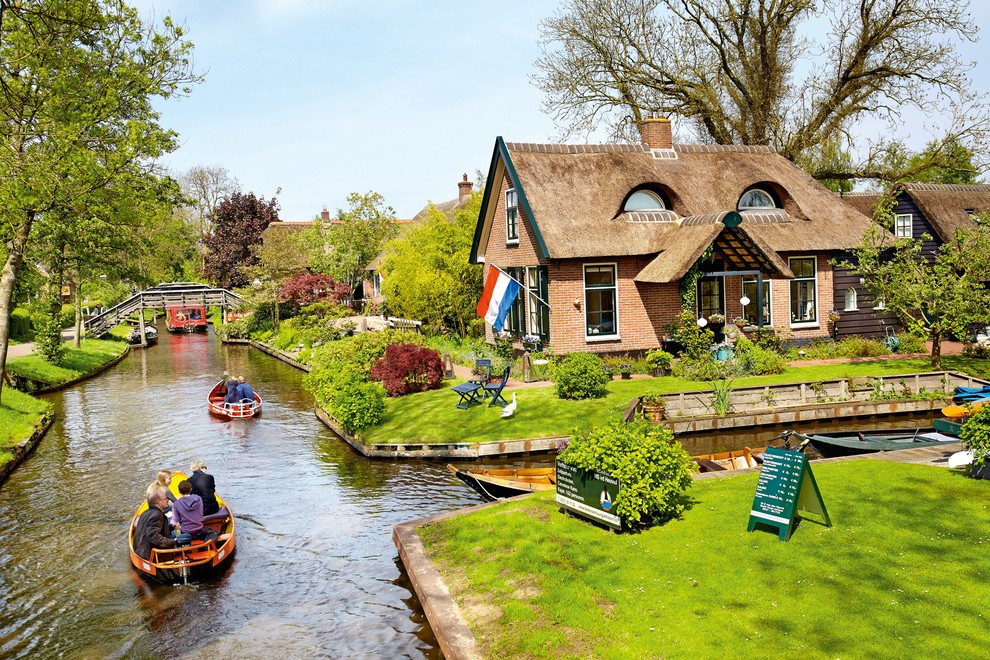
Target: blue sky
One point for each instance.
(322, 98)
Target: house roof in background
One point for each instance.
(946, 206)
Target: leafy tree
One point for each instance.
(936, 296)
(427, 274)
(790, 74)
(305, 289)
(78, 81)
(203, 187)
(344, 247)
(238, 223)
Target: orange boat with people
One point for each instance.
(196, 561)
(185, 319)
(231, 410)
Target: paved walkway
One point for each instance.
(20, 350)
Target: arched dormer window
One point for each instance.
(755, 199)
(644, 200)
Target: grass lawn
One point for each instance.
(19, 412)
(901, 574)
(430, 417)
(94, 352)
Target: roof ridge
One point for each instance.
(547, 148)
(946, 187)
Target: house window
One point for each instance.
(804, 289)
(515, 322)
(756, 198)
(644, 200)
(710, 296)
(749, 311)
(902, 225)
(600, 302)
(851, 296)
(376, 284)
(537, 290)
(511, 216)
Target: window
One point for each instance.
(756, 199)
(644, 200)
(511, 216)
(600, 302)
(515, 322)
(804, 286)
(749, 311)
(851, 296)
(539, 313)
(710, 296)
(902, 225)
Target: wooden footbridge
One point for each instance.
(175, 294)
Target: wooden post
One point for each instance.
(144, 340)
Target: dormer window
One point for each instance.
(644, 200)
(756, 198)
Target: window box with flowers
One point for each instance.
(740, 322)
(531, 343)
(716, 318)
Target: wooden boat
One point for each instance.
(500, 483)
(196, 561)
(739, 459)
(964, 409)
(849, 443)
(235, 410)
(150, 335)
(185, 319)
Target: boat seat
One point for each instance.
(225, 537)
(219, 516)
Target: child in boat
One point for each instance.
(187, 515)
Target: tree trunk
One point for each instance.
(937, 350)
(77, 342)
(7, 280)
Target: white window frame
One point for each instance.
(584, 307)
(899, 228)
(850, 305)
(790, 301)
(767, 304)
(376, 284)
(514, 208)
(773, 200)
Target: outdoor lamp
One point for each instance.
(744, 301)
(702, 322)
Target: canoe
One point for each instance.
(502, 483)
(969, 394)
(196, 561)
(234, 411)
(739, 459)
(964, 409)
(850, 443)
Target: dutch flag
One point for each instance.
(497, 298)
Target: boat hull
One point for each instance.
(831, 445)
(500, 484)
(185, 319)
(214, 402)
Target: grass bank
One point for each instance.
(901, 574)
(93, 354)
(19, 413)
(430, 417)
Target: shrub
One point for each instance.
(354, 402)
(980, 351)
(975, 434)
(48, 339)
(653, 470)
(695, 342)
(580, 376)
(408, 368)
(910, 342)
(232, 330)
(658, 360)
(361, 351)
(305, 289)
(20, 325)
(758, 361)
(705, 368)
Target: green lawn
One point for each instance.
(430, 417)
(901, 574)
(94, 352)
(19, 413)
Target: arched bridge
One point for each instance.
(175, 294)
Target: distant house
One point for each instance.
(607, 234)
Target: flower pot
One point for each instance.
(723, 354)
(626, 376)
(654, 412)
(981, 471)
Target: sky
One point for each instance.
(323, 98)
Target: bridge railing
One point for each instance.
(183, 294)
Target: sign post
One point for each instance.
(786, 485)
(588, 493)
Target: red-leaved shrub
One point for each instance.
(408, 368)
(305, 289)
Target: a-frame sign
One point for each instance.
(786, 485)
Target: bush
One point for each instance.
(20, 325)
(706, 368)
(408, 368)
(232, 330)
(758, 361)
(909, 342)
(361, 351)
(980, 351)
(975, 434)
(580, 376)
(349, 398)
(695, 342)
(653, 470)
(658, 360)
(48, 339)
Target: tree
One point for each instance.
(426, 270)
(238, 224)
(305, 289)
(78, 80)
(788, 74)
(204, 186)
(937, 296)
(343, 248)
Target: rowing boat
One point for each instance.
(501, 483)
(850, 443)
(738, 459)
(231, 410)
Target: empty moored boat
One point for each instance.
(497, 484)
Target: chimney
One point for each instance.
(656, 133)
(464, 188)
(325, 215)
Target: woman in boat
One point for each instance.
(160, 485)
(204, 485)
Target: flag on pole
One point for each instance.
(497, 298)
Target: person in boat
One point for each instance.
(152, 530)
(204, 485)
(245, 391)
(160, 485)
(224, 380)
(233, 394)
(187, 516)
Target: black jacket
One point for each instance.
(204, 486)
(152, 531)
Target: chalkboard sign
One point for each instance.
(588, 493)
(786, 485)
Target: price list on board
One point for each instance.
(785, 485)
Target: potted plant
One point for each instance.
(653, 406)
(740, 322)
(975, 435)
(626, 371)
(607, 368)
(716, 318)
(659, 361)
(722, 350)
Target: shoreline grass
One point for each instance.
(77, 362)
(19, 414)
(900, 574)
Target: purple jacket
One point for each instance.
(187, 512)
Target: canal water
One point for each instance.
(315, 573)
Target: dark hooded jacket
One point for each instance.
(204, 486)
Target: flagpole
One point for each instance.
(522, 286)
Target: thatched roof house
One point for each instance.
(608, 232)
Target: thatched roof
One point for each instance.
(946, 206)
(574, 196)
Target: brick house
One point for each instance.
(606, 234)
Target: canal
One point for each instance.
(315, 574)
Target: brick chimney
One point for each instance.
(325, 215)
(656, 133)
(464, 188)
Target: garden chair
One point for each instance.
(495, 389)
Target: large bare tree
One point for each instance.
(205, 186)
(793, 74)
